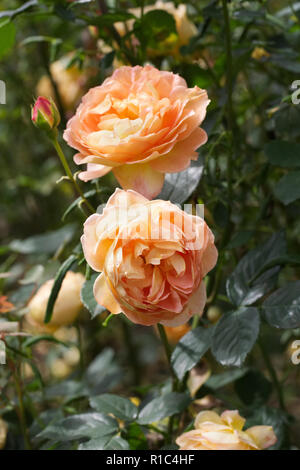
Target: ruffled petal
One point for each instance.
(180, 157)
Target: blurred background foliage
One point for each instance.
(62, 48)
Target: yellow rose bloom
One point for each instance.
(225, 432)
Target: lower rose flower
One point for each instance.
(153, 258)
(225, 432)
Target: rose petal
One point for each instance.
(93, 171)
(207, 416)
(233, 419)
(263, 436)
(104, 296)
(141, 178)
(180, 157)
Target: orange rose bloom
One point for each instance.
(225, 432)
(140, 123)
(153, 258)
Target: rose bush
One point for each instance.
(109, 382)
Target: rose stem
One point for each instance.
(273, 374)
(21, 408)
(67, 169)
(167, 348)
(132, 352)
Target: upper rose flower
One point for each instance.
(153, 258)
(140, 123)
(214, 432)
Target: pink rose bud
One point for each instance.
(45, 115)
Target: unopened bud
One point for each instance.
(45, 115)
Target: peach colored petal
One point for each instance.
(209, 258)
(263, 436)
(89, 241)
(183, 152)
(104, 296)
(125, 199)
(93, 171)
(197, 301)
(140, 177)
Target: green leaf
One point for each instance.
(156, 29)
(21, 296)
(112, 443)
(120, 407)
(17, 11)
(282, 308)
(67, 389)
(235, 335)
(136, 437)
(45, 243)
(240, 239)
(225, 378)
(44, 418)
(34, 39)
(162, 407)
(190, 350)
(77, 202)
(58, 280)
(283, 154)
(33, 275)
(88, 298)
(179, 186)
(103, 373)
(93, 425)
(194, 74)
(287, 189)
(36, 339)
(7, 37)
(243, 286)
(253, 388)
